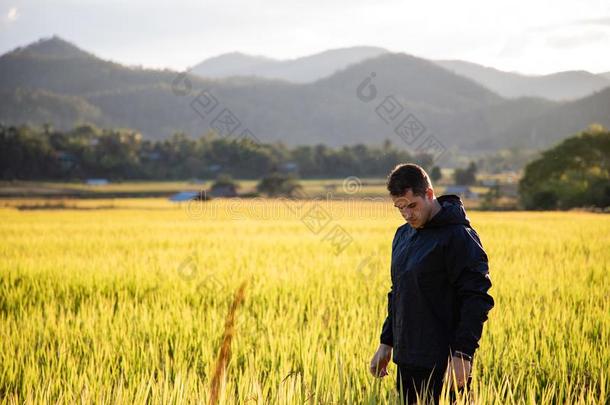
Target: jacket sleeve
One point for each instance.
(387, 336)
(468, 273)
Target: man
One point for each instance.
(438, 301)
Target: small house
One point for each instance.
(97, 182)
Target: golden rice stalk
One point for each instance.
(225, 348)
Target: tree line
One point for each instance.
(574, 173)
(86, 151)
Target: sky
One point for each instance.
(527, 36)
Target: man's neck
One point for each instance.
(436, 208)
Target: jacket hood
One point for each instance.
(452, 213)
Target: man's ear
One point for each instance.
(430, 193)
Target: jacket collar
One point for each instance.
(452, 212)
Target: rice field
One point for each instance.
(134, 301)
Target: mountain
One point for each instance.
(605, 75)
(52, 48)
(58, 66)
(41, 106)
(232, 64)
(555, 124)
(301, 70)
(557, 86)
(54, 82)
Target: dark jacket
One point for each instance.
(438, 301)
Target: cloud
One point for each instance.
(575, 33)
(573, 41)
(593, 21)
(603, 21)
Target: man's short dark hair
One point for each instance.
(408, 176)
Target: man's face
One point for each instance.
(415, 209)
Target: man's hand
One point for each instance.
(461, 368)
(380, 360)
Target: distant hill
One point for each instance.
(52, 81)
(232, 64)
(41, 106)
(557, 86)
(58, 66)
(555, 124)
(52, 48)
(301, 70)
